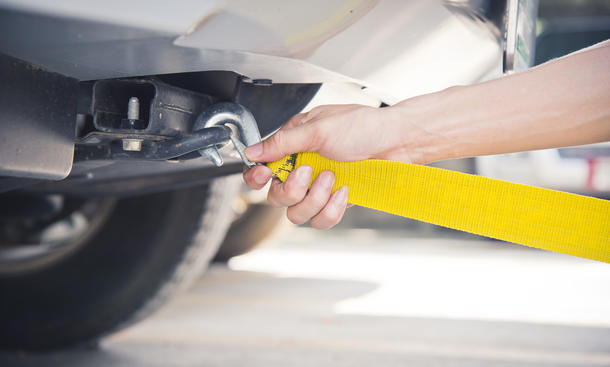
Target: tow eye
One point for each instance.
(223, 114)
(150, 120)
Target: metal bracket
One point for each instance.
(228, 113)
(211, 131)
(152, 147)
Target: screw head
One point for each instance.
(133, 108)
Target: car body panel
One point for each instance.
(397, 49)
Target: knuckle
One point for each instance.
(272, 198)
(292, 195)
(320, 224)
(319, 197)
(286, 194)
(295, 217)
(314, 111)
(253, 185)
(332, 215)
(277, 140)
(301, 117)
(293, 119)
(317, 138)
(292, 189)
(247, 178)
(275, 203)
(273, 190)
(272, 201)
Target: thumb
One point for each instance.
(284, 142)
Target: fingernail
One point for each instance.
(340, 196)
(254, 151)
(304, 175)
(261, 177)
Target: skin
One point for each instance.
(560, 103)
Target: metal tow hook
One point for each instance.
(228, 113)
(241, 149)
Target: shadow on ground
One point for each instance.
(241, 318)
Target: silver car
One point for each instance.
(120, 120)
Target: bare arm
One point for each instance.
(560, 103)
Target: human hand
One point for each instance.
(340, 132)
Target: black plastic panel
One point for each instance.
(164, 109)
(37, 121)
(271, 104)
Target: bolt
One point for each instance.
(132, 145)
(133, 109)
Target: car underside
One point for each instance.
(118, 123)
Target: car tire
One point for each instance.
(148, 248)
(257, 223)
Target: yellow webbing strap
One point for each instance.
(547, 219)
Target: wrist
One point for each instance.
(425, 127)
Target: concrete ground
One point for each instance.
(361, 297)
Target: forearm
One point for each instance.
(563, 102)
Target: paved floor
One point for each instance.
(363, 298)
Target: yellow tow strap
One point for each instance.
(547, 219)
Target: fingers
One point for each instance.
(293, 190)
(300, 138)
(333, 211)
(314, 201)
(316, 205)
(304, 132)
(257, 176)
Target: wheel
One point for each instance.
(131, 257)
(256, 223)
